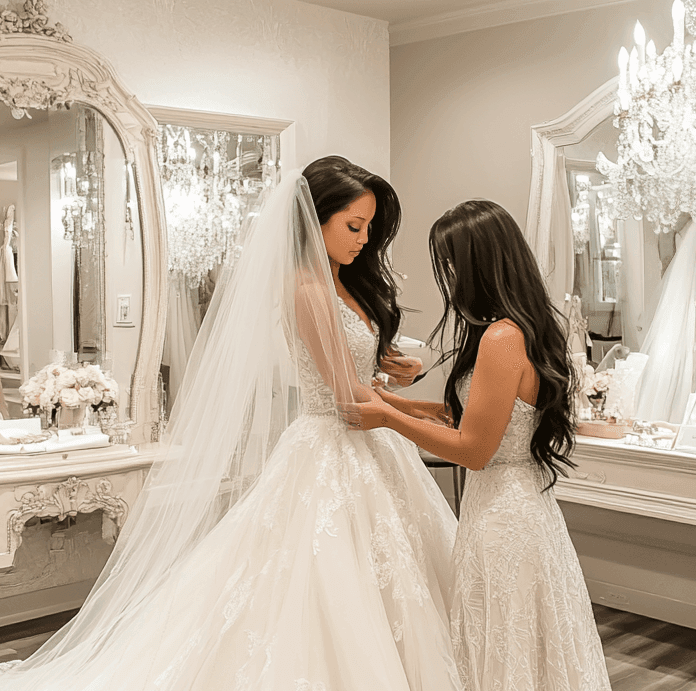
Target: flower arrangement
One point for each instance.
(57, 386)
(595, 383)
(591, 388)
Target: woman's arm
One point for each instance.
(500, 364)
(419, 409)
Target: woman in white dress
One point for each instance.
(266, 553)
(521, 615)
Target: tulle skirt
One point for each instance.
(333, 573)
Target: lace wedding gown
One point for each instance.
(521, 618)
(331, 575)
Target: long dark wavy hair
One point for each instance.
(334, 183)
(486, 271)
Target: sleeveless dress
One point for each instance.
(521, 618)
(332, 574)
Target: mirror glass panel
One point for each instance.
(212, 182)
(622, 277)
(71, 269)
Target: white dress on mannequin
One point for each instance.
(668, 377)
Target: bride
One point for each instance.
(266, 552)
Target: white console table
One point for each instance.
(48, 485)
(631, 512)
(65, 484)
(632, 479)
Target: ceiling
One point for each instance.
(398, 11)
(419, 20)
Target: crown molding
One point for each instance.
(483, 16)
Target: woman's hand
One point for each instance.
(401, 369)
(365, 416)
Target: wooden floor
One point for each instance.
(645, 654)
(642, 654)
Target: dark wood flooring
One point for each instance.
(642, 654)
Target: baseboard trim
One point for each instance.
(43, 603)
(644, 603)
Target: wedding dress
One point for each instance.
(330, 573)
(669, 375)
(521, 618)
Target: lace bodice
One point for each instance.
(317, 398)
(515, 446)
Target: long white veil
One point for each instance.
(238, 395)
(668, 375)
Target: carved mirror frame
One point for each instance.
(547, 137)
(48, 70)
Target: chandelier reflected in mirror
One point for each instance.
(211, 181)
(655, 174)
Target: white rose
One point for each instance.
(69, 398)
(87, 395)
(82, 376)
(31, 392)
(55, 371)
(66, 380)
(95, 374)
(49, 388)
(41, 376)
(602, 381)
(46, 400)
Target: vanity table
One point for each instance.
(57, 486)
(631, 513)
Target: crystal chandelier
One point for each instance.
(655, 174)
(211, 180)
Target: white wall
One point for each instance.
(324, 69)
(462, 108)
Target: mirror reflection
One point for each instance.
(71, 264)
(622, 271)
(212, 181)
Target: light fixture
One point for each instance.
(655, 174)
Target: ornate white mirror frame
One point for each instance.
(547, 137)
(47, 70)
(610, 475)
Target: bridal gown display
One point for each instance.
(331, 574)
(522, 618)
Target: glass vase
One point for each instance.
(597, 401)
(71, 417)
(108, 417)
(48, 418)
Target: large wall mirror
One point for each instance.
(623, 276)
(216, 171)
(72, 269)
(82, 264)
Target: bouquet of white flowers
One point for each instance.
(591, 386)
(57, 386)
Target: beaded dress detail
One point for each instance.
(521, 617)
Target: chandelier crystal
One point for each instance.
(211, 180)
(655, 174)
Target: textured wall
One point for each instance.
(462, 111)
(324, 69)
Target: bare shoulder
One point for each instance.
(503, 341)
